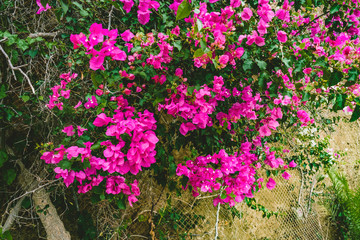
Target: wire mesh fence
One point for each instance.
(185, 217)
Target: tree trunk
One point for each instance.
(45, 209)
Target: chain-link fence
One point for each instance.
(185, 217)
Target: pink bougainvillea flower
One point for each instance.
(99, 92)
(235, 3)
(175, 30)
(41, 7)
(179, 72)
(117, 54)
(96, 34)
(132, 199)
(144, 17)
(281, 36)
(69, 130)
(78, 105)
(91, 103)
(260, 41)
(65, 94)
(78, 39)
(286, 175)
(292, 164)
(264, 131)
(223, 60)
(97, 62)
(307, 70)
(213, 1)
(101, 120)
(271, 184)
(127, 35)
(246, 14)
(81, 130)
(128, 4)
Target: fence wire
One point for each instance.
(188, 218)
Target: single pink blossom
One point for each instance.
(264, 131)
(81, 130)
(246, 14)
(41, 7)
(179, 72)
(101, 120)
(69, 130)
(91, 103)
(286, 175)
(282, 37)
(292, 164)
(127, 35)
(271, 184)
(78, 105)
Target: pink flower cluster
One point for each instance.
(245, 109)
(59, 91)
(164, 55)
(195, 107)
(142, 147)
(119, 157)
(108, 48)
(235, 173)
(143, 9)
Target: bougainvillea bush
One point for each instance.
(219, 78)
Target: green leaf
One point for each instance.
(261, 64)
(136, 49)
(203, 45)
(25, 98)
(97, 79)
(353, 74)
(64, 164)
(339, 102)
(2, 91)
(190, 90)
(9, 176)
(247, 64)
(177, 44)
(7, 235)
(184, 10)
(199, 25)
(64, 6)
(121, 204)
(356, 114)
(335, 78)
(335, 8)
(102, 197)
(32, 53)
(287, 61)
(22, 44)
(95, 146)
(3, 157)
(198, 53)
(306, 96)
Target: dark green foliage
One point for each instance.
(346, 208)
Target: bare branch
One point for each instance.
(42, 34)
(16, 68)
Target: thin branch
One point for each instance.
(110, 15)
(17, 68)
(42, 34)
(34, 190)
(217, 222)
(314, 182)
(13, 215)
